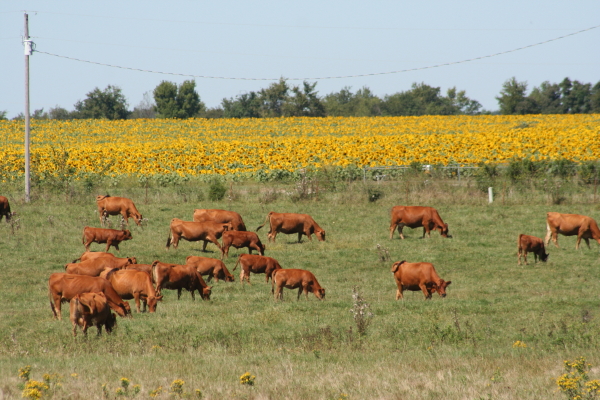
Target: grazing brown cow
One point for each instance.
(257, 265)
(108, 205)
(220, 216)
(63, 287)
(415, 217)
(208, 231)
(239, 239)
(531, 244)
(584, 227)
(95, 267)
(290, 223)
(116, 261)
(211, 267)
(5, 209)
(89, 309)
(112, 237)
(133, 284)
(179, 277)
(418, 276)
(300, 279)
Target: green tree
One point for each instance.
(548, 98)
(344, 103)
(304, 102)
(513, 99)
(461, 103)
(178, 102)
(109, 103)
(246, 105)
(595, 99)
(59, 113)
(145, 109)
(576, 97)
(273, 98)
(3, 115)
(423, 99)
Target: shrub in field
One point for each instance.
(575, 383)
(361, 311)
(216, 190)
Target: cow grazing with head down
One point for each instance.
(239, 240)
(300, 279)
(257, 265)
(95, 267)
(211, 267)
(5, 209)
(117, 262)
(91, 309)
(108, 205)
(207, 231)
(134, 284)
(531, 244)
(415, 217)
(584, 227)
(290, 223)
(418, 276)
(63, 287)
(179, 277)
(220, 216)
(112, 237)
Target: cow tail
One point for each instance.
(266, 219)
(169, 239)
(154, 273)
(237, 262)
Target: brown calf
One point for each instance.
(89, 309)
(257, 265)
(112, 237)
(299, 279)
(418, 276)
(531, 244)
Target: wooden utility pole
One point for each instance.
(28, 51)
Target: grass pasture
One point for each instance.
(465, 346)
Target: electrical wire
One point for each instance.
(327, 77)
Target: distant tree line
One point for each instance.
(280, 99)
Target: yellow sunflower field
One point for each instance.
(245, 146)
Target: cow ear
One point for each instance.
(159, 298)
(448, 283)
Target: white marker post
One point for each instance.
(490, 195)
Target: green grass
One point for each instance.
(453, 348)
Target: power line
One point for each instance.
(327, 77)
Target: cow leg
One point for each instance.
(400, 227)
(116, 246)
(215, 241)
(224, 252)
(179, 294)
(535, 257)
(299, 293)
(271, 236)
(205, 242)
(136, 297)
(587, 241)
(578, 242)
(399, 291)
(108, 244)
(393, 227)
(425, 291)
(300, 237)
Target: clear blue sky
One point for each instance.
(309, 39)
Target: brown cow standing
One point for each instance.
(133, 284)
(95, 267)
(299, 279)
(211, 267)
(531, 244)
(239, 240)
(415, 217)
(5, 209)
(63, 287)
(257, 265)
(418, 276)
(112, 237)
(179, 277)
(208, 231)
(116, 261)
(290, 223)
(108, 205)
(89, 309)
(220, 216)
(584, 227)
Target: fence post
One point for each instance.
(490, 195)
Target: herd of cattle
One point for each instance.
(99, 282)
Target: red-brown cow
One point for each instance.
(108, 205)
(239, 239)
(257, 265)
(116, 261)
(300, 279)
(531, 244)
(415, 217)
(211, 267)
(584, 227)
(179, 277)
(94, 267)
(5, 209)
(208, 231)
(112, 237)
(290, 223)
(220, 216)
(418, 276)
(63, 287)
(89, 309)
(133, 284)
(141, 267)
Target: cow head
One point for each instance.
(152, 302)
(444, 231)
(131, 260)
(440, 287)
(126, 235)
(320, 293)
(543, 255)
(320, 235)
(229, 278)
(206, 292)
(111, 322)
(228, 226)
